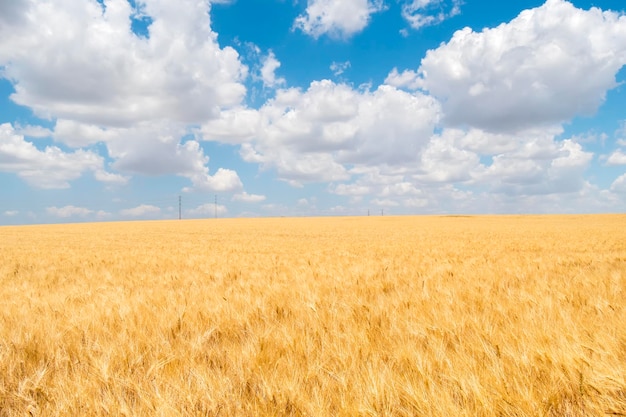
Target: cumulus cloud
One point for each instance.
(233, 126)
(456, 167)
(268, 71)
(539, 168)
(110, 178)
(104, 84)
(385, 202)
(443, 162)
(224, 180)
(248, 198)
(546, 66)
(619, 185)
(337, 18)
(49, 168)
(420, 13)
(90, 66)
(407, 79)
(374, 182)
(151, 149)
(208, 210)
(68, 211)
(143, 210)
(617, 158)
(78, 135)
(314, 135)
(32, 131)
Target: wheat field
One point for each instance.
(355, 316)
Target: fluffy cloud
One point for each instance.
(233, 126)
(619, 185)
(544, 67)
(68, 211)
(143, 210)
(268, 71)
(248, 198)
(224, 180)
(314, 135)
(102, 83)
(443, 162)
(32, 131)
(150, 149)
(110, 178)
(337, 18)
(457, 167)
(208, 210)
(407, 79)
(90, 66)
(617, 158)
(78, 135)
(51, 167)
(420, 13)
(539, 168)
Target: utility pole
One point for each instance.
(382, 212)
(216, 206)
(180, 208)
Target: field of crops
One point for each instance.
(367, 316)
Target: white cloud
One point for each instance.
(339, 68)
(49, 168)
(142, 210)
(420, 13)
(544, 67)
(101, 215)
(443, 162)
(540, 167)
(313, 135)
(137, 95)
(268, 71)
(151, 149)
(489, 143)
(110, 178)
(11, 213)
(224, 180)
(233, 126)
(407, 79)
(77, 135)
(617, 158)
(354, 189)
(208, 210)
(248, 198)
(415, 202)
(455, 167)
(619, 185)
(384, 202)
(90, 67)
(33, 131)
(337, 18)
(68, 211)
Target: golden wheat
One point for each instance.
(371, 316)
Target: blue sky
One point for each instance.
(112, 109)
